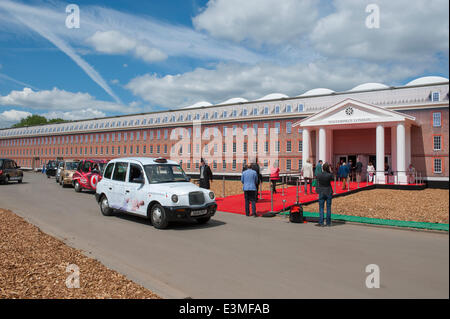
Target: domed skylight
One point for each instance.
(273, 96)
(427, 80)
(318, 91)
(234, 100)
(369, 86)
(198, 104)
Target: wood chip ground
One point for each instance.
(33, 265)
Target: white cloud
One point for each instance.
(8, 118)
(252, 82)
(75, 115)
(114, 42)
(259, 21)
(60, 100)
(411, 31)
(35, 19)
(170, 40)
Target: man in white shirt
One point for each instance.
(308, 175)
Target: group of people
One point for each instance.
(319, 176)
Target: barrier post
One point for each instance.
(271, 201)
(284, 203)
(348, 184)
(282, 185)
(296, 193)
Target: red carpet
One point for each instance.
(236, 203)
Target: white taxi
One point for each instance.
(154, 188)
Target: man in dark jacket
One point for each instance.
(205, 175)
(325, 193)
(255, 167)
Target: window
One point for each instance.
(288, 146)
(437, 119)
(437, 143)
(108, 171)
(300, 146)
(135, 172)
(300, 108)
(277, 109)
(437, 165)
(234, 165)
(277, 127)
(266, 110)
(244, 112)
(266, 128)
(288, 165)
(288, 127)
(288, 108)
(245, 147)
(300, 164)
(120, 172)
(435, 96)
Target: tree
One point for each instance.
(36, 120)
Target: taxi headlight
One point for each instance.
(211, 195)
(174, 198)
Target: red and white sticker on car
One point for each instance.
(94, 181)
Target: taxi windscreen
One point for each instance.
(165, 174)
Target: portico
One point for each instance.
(357, 117)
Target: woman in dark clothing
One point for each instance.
(325, 193)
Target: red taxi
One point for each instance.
(88, 174)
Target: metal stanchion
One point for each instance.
(284, 203)
(296, 193)
(415, 178)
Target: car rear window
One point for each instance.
(120, 171)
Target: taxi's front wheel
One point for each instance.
(104, 206)
(158, 217)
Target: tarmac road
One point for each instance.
(236, 256)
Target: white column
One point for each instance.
(306, 144)
(329, 155)
(317, 146)
(394, 148)
(401, 153)
(408, 145)
(380, 155)
(322, 145)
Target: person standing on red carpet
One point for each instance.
(274, 177)
(308, 174)
(249, 180)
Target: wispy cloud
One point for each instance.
(23, 84)
(33, 22)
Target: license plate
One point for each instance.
(13, 178)
(198, 212)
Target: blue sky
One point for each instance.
(142, 56)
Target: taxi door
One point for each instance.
(134, 195)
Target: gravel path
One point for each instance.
(33, 265)
(428, 205)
